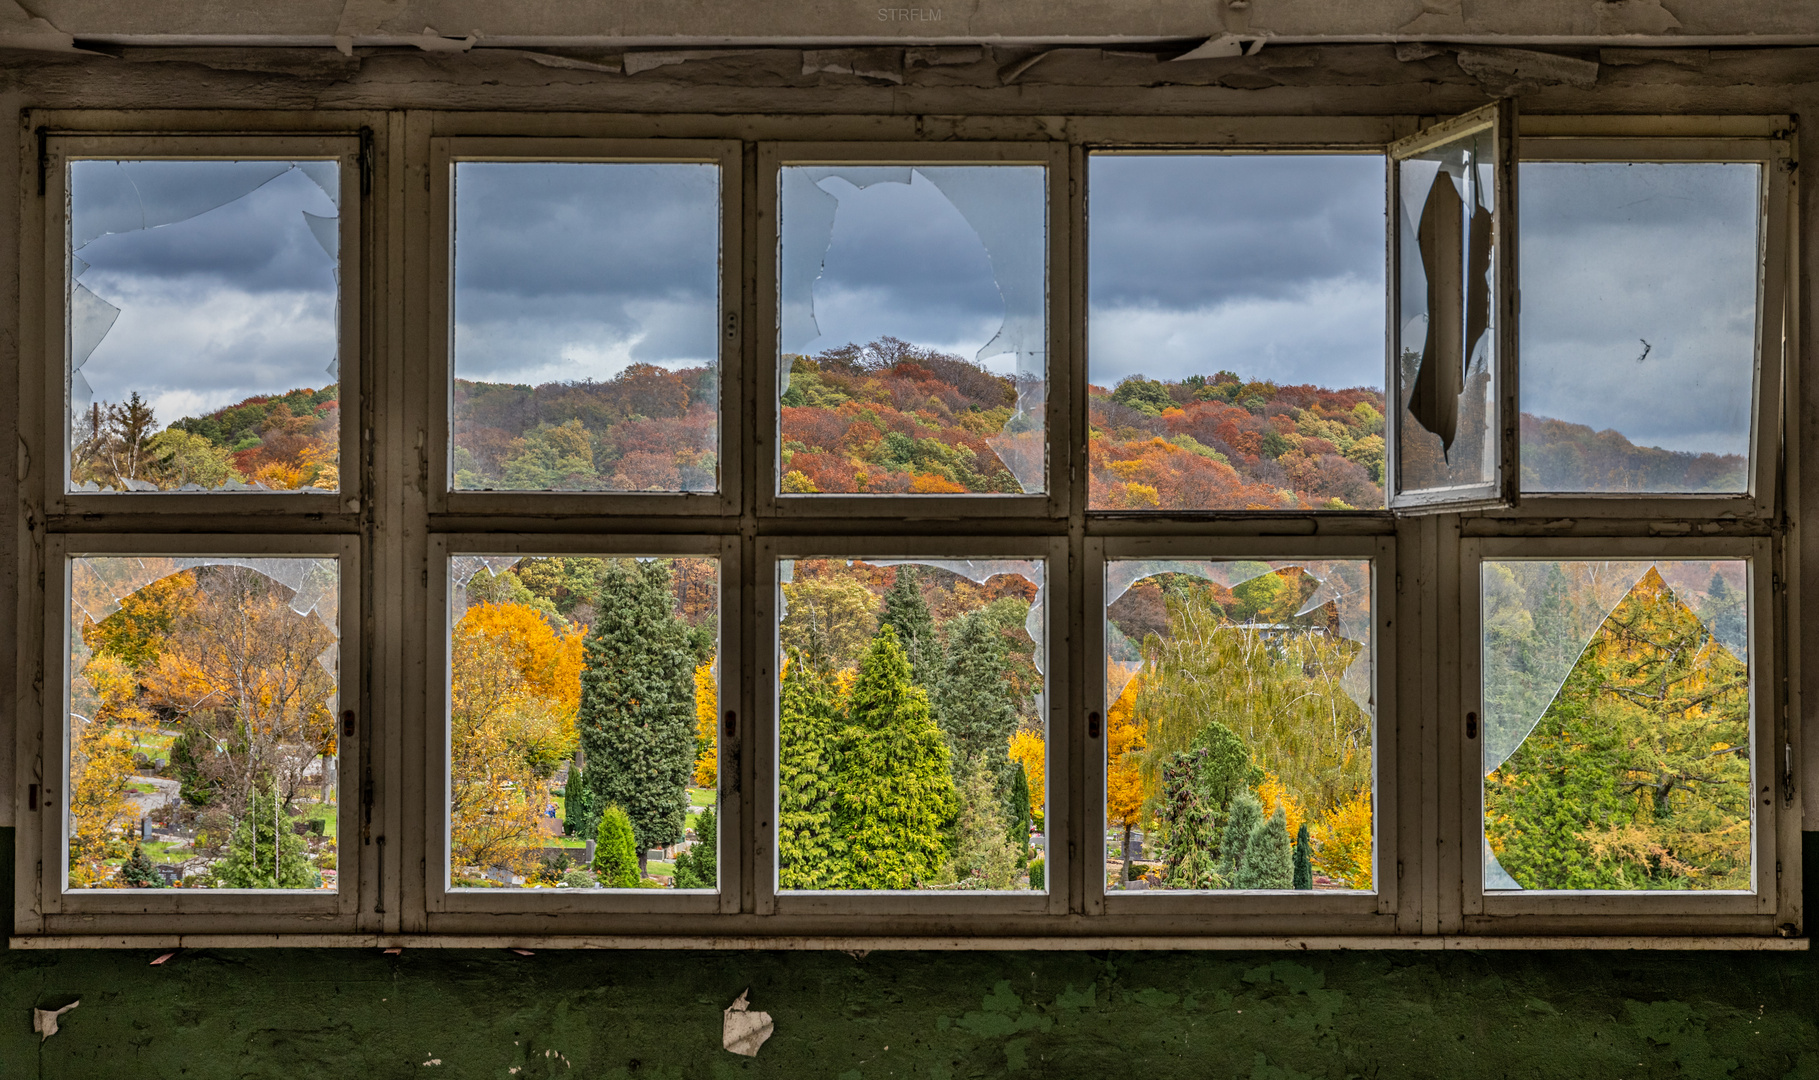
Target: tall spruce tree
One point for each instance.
(1190, 845)
(895, 794)
(1019, 834)
(907, 613)
(637, 715)
(1268, 861)
(1240, 828)
(809, 854)
(971, 699)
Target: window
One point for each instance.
(605, 529)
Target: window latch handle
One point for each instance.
(1092, 725)
(347, 724)
(1471, 725)
(732, 725)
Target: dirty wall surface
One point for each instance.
(296, 1013)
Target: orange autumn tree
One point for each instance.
(1124, 744)
(514, 689)
(101, 766)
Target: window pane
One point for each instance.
(1617, 725)
(914, 355)
(203, 310)
(1446, 343)
(586, 336)
(1239, 729)
(203, 695)
(913, 743)
(583, 747)
(1235, 332)
(1638, 325)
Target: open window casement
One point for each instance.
(1452, 298)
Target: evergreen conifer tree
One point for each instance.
(809, 854)
(616, 863)
(984, 857)
(637, 715)
(907, 613)
(699, 867)
(1020, 814)
(250, 850)
(1269, 861)
(140, 872)
(1304, 859)
(1189, 848)
(895, 795)
(971, 698)
(1240, 827)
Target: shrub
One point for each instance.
(1037, 881)
(615, 855)
(580, 878)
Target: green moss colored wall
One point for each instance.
(295, 1013)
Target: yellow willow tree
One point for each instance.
(246, 677)
(514, 688)
(101, 766)
(707, 727)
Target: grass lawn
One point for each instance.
(655, 868)
(166, 851)
(140, 787)
(327, 813)
(700, 796)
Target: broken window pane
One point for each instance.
(914, 329)
(202, 733)
(1638, 325)
(1446, 336)
(1617, 725)
(583, 740)
(912, 748)
(1235, 332)
(1239, 725)
(203, 325)
(586, 334)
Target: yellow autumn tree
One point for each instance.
(707, 727)
(101, 767)
(1124, 745)
(1272, 792)
(1343, 842)
(514, 688)
(1028, 750)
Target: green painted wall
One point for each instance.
(1150, 1016)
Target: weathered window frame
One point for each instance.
(1774, 740)
(438, 325)
(41, 897)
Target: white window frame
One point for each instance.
(437, 325)
(43, 905)
(1773, 739)
(50, 231)
(1054, 502)
(1271, 912)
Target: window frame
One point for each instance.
(447, 151)
(1061, 735)
(1053, 157)
(1373, 912)
(1775, 819)
(349, 150)
(174, 910)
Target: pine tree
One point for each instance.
(809, 854)
(637, 716)
(1268, 861)
(1189, 848)
(250, 849)
(699, 866)
(970, 697)
(140, 872)
(895, 792)
(907, 613)
(1304, 859)
(1240, 828)
(984, 856)
(617, 864)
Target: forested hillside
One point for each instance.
(277, 442)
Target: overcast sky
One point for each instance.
(1268, 266)
(218, 305)
(1614, 255)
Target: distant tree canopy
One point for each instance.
(277, 442)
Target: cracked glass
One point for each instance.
(913, 330)
(912, 746)
(585, 343)
(1235, 326)
(1239, 726)
(201, 727)
(583, 735)
(203, 326)
(1617, 725)
(1639, 313)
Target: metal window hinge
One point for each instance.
(1787, 772)
(366, 161)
